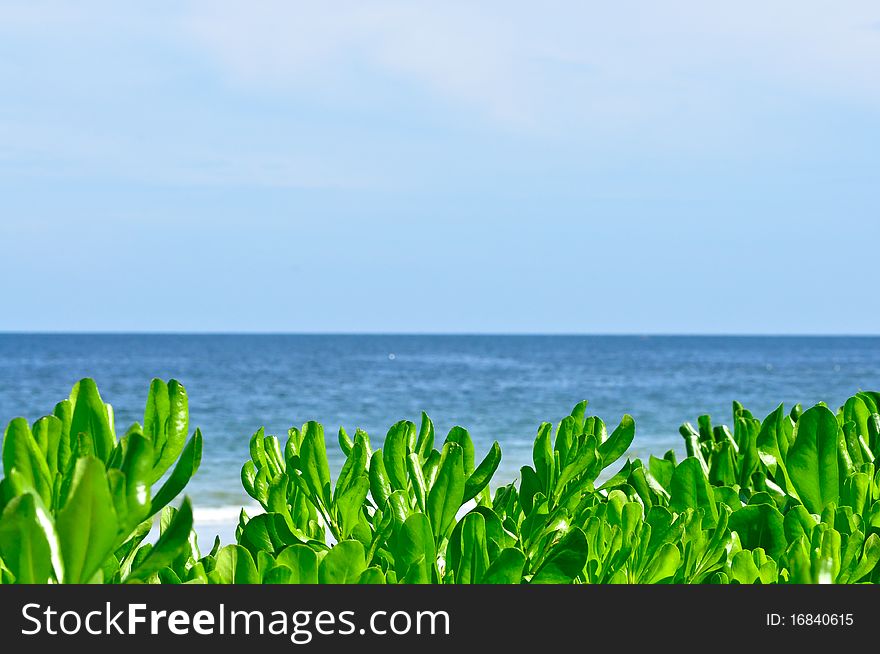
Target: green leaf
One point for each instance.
(797, 523)
(760, 525)
(186, 467)
(21, 453)
(86, 525)
(542, 456)
(173, 541)
(692, 445)
(690, 489)
(743, 569)
(345, 442)
(168, 437)
(870, 558)
(372, 575)
(380, 484)
(343, 564)
(396, 449)
(91, 416)
(267, 532)
(137, 467)
(28, 543)
(47, 434)
(773, 443)
(348, 506)
(235, 565)
(582, 459)
(414, 554)
(748, 430)
(855, 410)
(619, 441)
(565, 561)
(662, 470)
(313, 459)
(481, 477)
(461, 436)
(812, 458)
(474, 558)
(578, 413)
(355, 465)
(425, 441)
(507, 568)
(663, 564)
(447, 493)
(303, 563)
(417, 480)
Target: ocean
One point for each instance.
(499, 387)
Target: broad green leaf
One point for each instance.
(343, 564)
(417, 480)
(578, 413)
(380, 484)
(566, 433)
(186, 467)
(743, 569)
(542, 456)
(47, 434)
(481, 477)
(506, 568)
(773, 443)
(692, 445)
(137, 468)
(447, 493)
(582, 460)
(170, 436)
(395, 451)
(235, 565)
(267, 532)
(425, 441)
(619, 441)
(348, 506)
(474, 558)
(868, 563)
(690, 489)
(812, 458)
(90, 416)
(86, 525)
(855, 410)
(345, 442)
(355, 465)
(372, 575)
(760, 525)
(414, 554)
(462, 437)
(28, 543)
(22, 453)
(565, 561)
(662, 565)
(662, 470)
(302, 562)
(313, 459)
(797, 523)
(748, 429)
(173, 541)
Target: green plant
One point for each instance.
(790, 499)
(793, 498)
(75, 501)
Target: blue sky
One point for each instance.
(440, 167)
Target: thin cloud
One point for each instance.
(513, 63)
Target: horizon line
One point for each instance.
(429, 333)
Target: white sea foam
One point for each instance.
(218, 515)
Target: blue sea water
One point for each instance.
(499, 387)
